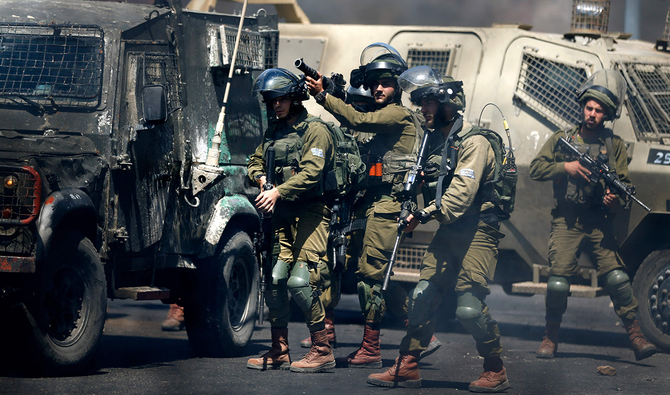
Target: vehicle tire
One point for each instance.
(651, 287)
(221, 309)
(70, 305)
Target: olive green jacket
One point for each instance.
(548, 165)
(475, 165)
(317, 157)
(391, 125)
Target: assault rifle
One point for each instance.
(264, 238)
(407, 206)
(333, 85)
(600, 169)
(341, 226)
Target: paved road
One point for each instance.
(137, 358)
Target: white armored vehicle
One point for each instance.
(533, 78)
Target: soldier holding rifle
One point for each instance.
(464, 251)
(304, 154)
(391, 153)
(584, 212)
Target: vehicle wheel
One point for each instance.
(220, 313)
(68, 312)
(652, 287)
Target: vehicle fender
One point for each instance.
(70, 207)
(651, 234)
(227, 209)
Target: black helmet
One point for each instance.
(361, 99)
(274, 83)
(378, 60)
(422, 82)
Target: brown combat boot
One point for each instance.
(319, 358)
(330, 330)
(494, 378)
(278, 357)
(175, 319)
(549, 344)
(369, 354)
(641, 347)
(404, 373)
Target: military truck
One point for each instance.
(107, 112)
(532, 77)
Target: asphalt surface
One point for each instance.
(136, 357)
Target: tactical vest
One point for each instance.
(346, 170)
(501, 190)
(576, 189)
(386, 167)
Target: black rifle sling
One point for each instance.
(447, 162)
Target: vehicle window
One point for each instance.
(56, 65)
(648, 99)
(437, 59)
(550, 88)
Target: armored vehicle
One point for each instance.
(107, 112)
(533, 77)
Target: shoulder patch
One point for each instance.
(467, 173)
(317, 152)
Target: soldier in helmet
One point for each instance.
(304, 154)
(391, 151)
(360, 99)
(584, 212)
(463, 254)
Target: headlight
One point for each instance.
(10, 182)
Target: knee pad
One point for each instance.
(619, 288)
(557, 292)
(421, 302)
(275, 297)
(280, 273)
(369, 297)
(469, 313)
(298, 285)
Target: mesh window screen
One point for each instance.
(163, 69)
(59, 65)
(550, 88)
(435, 59)
(648, 99)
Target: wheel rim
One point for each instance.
(658, 300)
(238, 294)
(64, 305)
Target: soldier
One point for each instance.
(304, 154)
(391, 151)
(361, 99)
(464, 251)
(584, 211)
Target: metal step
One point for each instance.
(142, 293)
(579, 291)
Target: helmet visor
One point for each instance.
(384, 51)
(610, 83)
(418, 77)
(274, 82)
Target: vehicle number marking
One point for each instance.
(659, 157)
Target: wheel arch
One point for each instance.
(70, 208)
(231, 212)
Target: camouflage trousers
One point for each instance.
(461, 256)
(568, 240)
(301, 235)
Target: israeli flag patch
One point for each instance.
(317, 152)
(467, 173)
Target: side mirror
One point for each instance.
(154, 104)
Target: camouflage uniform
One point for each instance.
(464, 252)
(300, 224)
(579, 217)
(394, 128)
